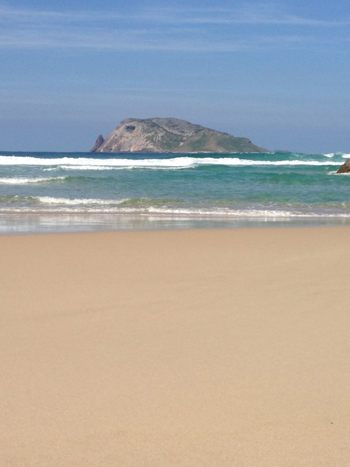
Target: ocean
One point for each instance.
(74, 192)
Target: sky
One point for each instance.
(275, 72)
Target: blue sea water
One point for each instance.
(67, 192)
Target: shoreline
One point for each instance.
(164, 348)
(12, 223)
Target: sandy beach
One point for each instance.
(210, 348)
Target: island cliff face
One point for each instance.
(170, 135)
(99, 141)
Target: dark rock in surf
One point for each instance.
(345, 168)
(99, 141)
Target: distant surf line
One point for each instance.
(67, 163)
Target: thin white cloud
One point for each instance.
(170, 29)
(136, 41)
(257, 14)
(263, 14)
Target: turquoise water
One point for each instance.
(54, 192)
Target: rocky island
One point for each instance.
(170, 135)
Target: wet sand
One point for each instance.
(182, 348)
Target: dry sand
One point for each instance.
(185, 348)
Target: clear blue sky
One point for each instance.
(276, 72)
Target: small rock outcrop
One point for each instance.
(345, 168)
(98, 143)
(171, 135)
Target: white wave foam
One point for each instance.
(80, 201)
(125, 167)
(175, 162)
(243, 213)
(90, 167)
(76, 208)
(339, 154)
(334, 172)
(25, 181)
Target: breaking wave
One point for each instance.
(182, 162)
(163, 207)
(27, 181)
